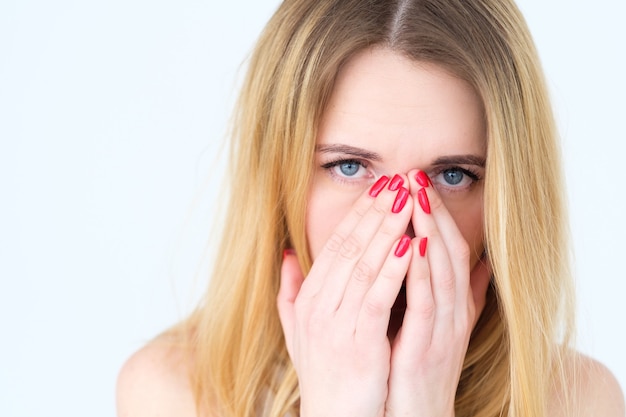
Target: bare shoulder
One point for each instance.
(598, 387)
(593, 390)
(154, 382)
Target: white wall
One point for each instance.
(111, 115)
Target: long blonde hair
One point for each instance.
(240, 366)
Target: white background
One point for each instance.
(111, 116)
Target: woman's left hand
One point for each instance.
(444, 299)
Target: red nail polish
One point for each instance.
(423, 244)
(422, 179)
(396, 182)
(422, 197)
(403, 246)
(288, 251)
(401, 199)
(378, 186)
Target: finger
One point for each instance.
(319, 272)
(381, 242)
(437, 220)
(419, 316)
(441, 271)
(379, 227)
(291, 279)
(375, 309)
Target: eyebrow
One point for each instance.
(349, 150)
(373, 156)
(460, 160)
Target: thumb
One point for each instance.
(291, 279)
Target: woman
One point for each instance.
(395, 242)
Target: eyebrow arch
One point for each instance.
(460, 160)
(349, 150)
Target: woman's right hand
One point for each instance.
(335, 321)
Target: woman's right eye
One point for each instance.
(347, 170)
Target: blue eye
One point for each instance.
(349, 168)
(453, 176)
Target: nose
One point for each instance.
(413, 186)
(416, 180)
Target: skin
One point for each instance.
(409, 114)
(389, 115)
(336, 321)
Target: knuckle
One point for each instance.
(350, 247)
(363, 273)
(447, 283)
(360, 210)
(379, 209)
(388, 231)
(334, 242)
(386, 275)
(374, 308)
(426, 310)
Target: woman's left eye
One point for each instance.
(348, 168)
(455, 178)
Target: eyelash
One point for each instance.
(328, 166)
(473, 175)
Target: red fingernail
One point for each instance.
(288, 251)
(422, 197)
(379, 185)
(423, 244)
(422, 179)
(401, 199)
(403, 246)
(396, 182)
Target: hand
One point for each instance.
(442, 308)
(335, 321)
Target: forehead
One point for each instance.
(382, 99)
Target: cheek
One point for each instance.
(325, 209)
(469, 220)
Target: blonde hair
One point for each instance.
(240, 365)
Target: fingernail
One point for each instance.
(423, 244)
(401, 199)
(378, 186)
(422, 179)
(422, 198)
(288, 251)
(403, 246)
(396, 182)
